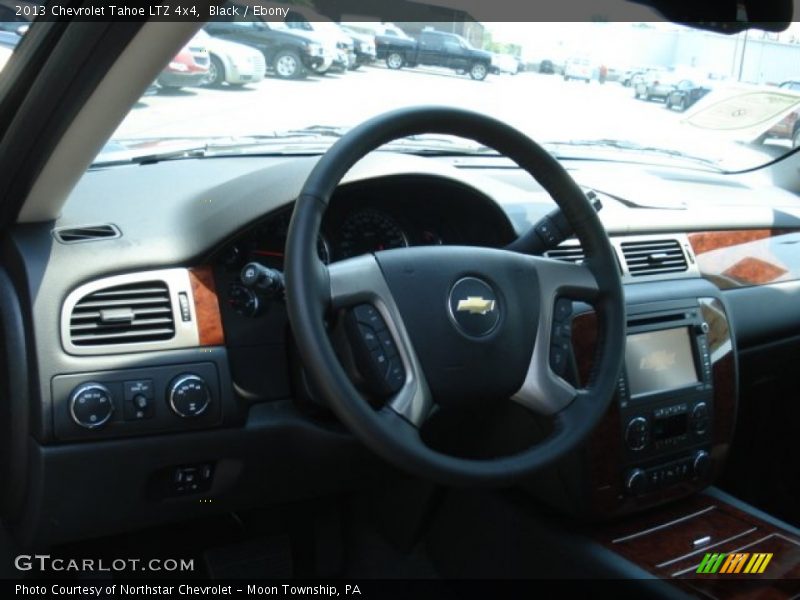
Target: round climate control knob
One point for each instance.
(91, 405)
(188, 395)
(637, 433)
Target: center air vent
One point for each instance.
(123, 314)
(654, 257)
(567, 252)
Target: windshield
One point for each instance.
(650, 92)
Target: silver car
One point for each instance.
(232, 63)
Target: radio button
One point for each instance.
(637, 433)
(700, 418)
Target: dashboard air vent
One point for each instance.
(123, 314)
(568, 253)
(89, 233)
(654, 257)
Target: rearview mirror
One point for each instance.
(726, 16)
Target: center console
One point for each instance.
(669, 426)
(666, 396)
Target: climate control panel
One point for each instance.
(136, 401)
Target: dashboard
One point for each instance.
(217, 388)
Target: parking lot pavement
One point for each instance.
(544, 106)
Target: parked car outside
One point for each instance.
(330, 34)
(437, 49)
(363, 47)
(685, 94)
(231, 63)
(288, 53)
(188, 68)
(789, 127)
(504, 63)
(547, 67)
(655, 85)
(578, 68)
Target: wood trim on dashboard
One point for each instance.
(706, 241)
(206, 306)
(739, 258)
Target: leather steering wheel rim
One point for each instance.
(309, 297)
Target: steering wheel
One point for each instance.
(469, 324)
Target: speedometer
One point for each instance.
(368, 231)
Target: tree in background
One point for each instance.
(500, 47)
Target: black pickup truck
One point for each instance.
(436, 49)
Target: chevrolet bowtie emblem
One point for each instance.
(475, 305)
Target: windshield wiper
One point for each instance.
(308, 140)
(634, 147)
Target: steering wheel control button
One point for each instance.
(369, 336)
(374, 350)
(474, 307)
(369, 315)
(558, 359)
(387, 344)
(395, 375)
(91, 405)
(188, 395)
(380, 362)
(562, 310)
(637, 433)
(139, 400)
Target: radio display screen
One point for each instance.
(658, 361)
(670, 427)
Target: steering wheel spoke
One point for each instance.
(359, 281)
(544, 391)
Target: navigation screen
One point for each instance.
(657, 361)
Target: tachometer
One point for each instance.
(368, 231)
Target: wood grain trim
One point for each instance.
(662, 543)
(738, 258)
(706, 241)
(206, 306)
